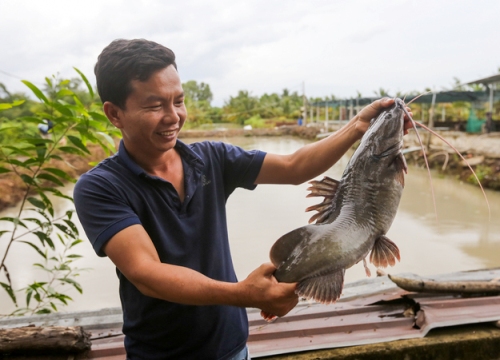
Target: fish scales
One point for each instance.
(352, 221)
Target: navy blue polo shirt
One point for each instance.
(118, 193)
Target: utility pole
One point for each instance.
(304, 102)
(431, 119)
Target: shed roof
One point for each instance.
(487, 80)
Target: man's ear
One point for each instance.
(113, 113)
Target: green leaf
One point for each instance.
(98, 116)
(62, 109)
(5, 106)
(43, 311)
(36, 202)
(57, 193)
(44, 239)
(48, 203)
(71, 150)
(108, 138)
(28, 179)
(35, 220)
(78, 143)
(29, 292)
(60, 173)
(64, 229)
(37, 141)
(4, 170)
(36, 248)
(74, 256)
(85, 80)
(17, 151)
(14, 220)
(65, 92)
(71, 226)
(57, 157)
(50, 177)
(9, 291)
(38, 93)
(9, 127)
(76, 285)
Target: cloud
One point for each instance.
(335, 47)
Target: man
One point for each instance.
(157, 210)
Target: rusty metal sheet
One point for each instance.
(354, 320)
(369, 311)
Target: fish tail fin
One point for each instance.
(384, 252)
(325, 289)
(286, 244)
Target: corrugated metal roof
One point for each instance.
(369, 311)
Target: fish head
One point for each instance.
(381, 145)
(385, 134)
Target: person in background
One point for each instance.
(45, 127)
(157, 209)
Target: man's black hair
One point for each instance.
(125, 60)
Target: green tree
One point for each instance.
(197, 92)
(31, 158)
(241, 107)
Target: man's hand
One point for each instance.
(373, 110)
(264, 292)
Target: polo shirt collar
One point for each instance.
(188, 156)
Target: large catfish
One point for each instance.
(353, 219)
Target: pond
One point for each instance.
(461, 238)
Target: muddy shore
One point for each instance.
(482, 151)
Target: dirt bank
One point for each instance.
(12, 188)
(481, 151)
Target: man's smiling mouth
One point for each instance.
(167, 133)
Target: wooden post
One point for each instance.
(431, 120)
(317, 113)
(44, 340)
(326, 116)
(304, 102)
(491, 98)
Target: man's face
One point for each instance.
(154, 113)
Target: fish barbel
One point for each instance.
(354, 218)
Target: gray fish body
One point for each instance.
(361, 211)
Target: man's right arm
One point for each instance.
(134, 254)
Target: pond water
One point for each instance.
(461, 238)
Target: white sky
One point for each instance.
(334, 46)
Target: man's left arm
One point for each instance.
(314, 159)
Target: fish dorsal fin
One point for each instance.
(327, 187)
(384, 252)
(325, 289)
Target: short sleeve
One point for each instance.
(101, 210)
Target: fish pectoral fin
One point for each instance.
(326, 187)
(384, 252)
(325, 289)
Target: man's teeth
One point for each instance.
(167, 133)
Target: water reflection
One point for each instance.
(461, 238)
